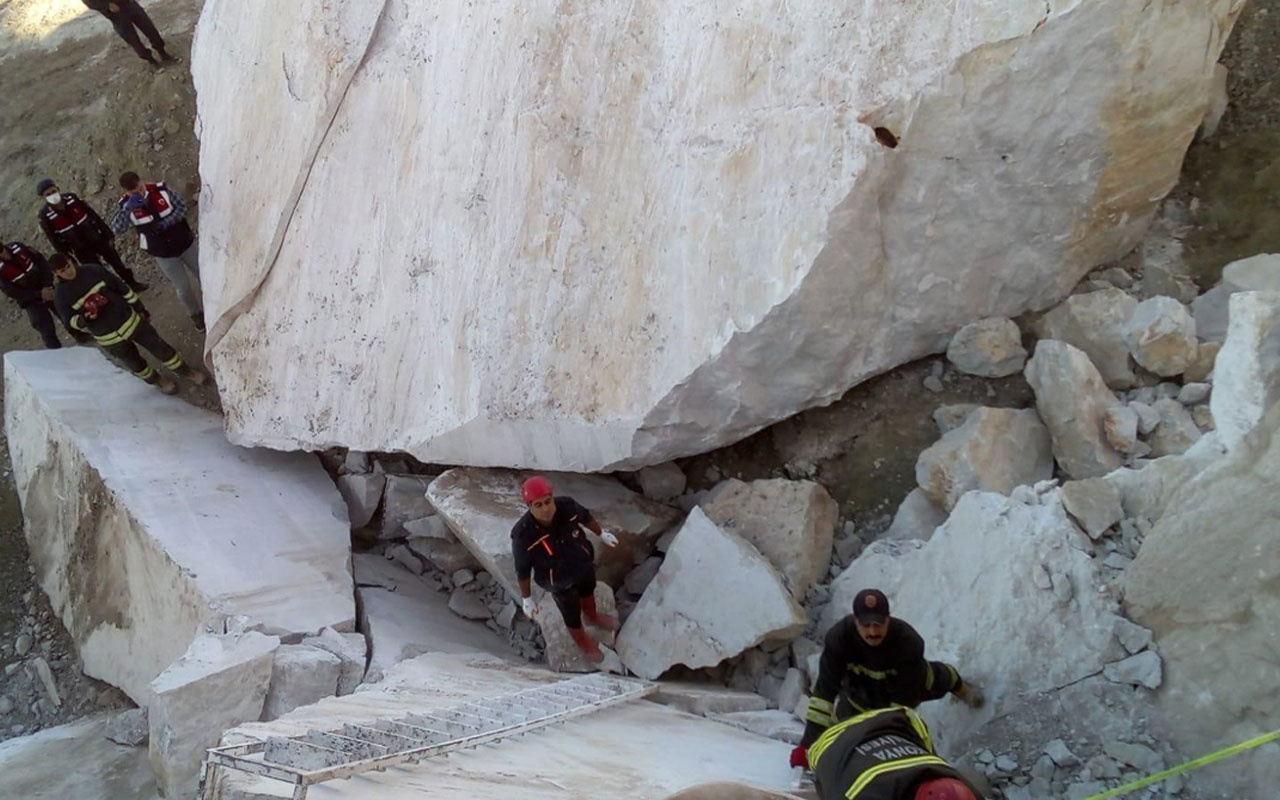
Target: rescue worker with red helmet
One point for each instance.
(885, 754)
(550, 547)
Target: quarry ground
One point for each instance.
(78, 106)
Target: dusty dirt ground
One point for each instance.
(78, 106)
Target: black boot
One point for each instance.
(166, 58)
(197, 319)
(136, 285)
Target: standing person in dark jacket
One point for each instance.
(25, 277)
(886, 754)
(548, 544)
(72, 226)
(159, 214)
(92, 300)
(125, 16)
(869, 661)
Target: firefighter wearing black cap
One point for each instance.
(871, 660)
(93, 300)
(72, 226)
(885, 754)
(25, 277)
(548, 544)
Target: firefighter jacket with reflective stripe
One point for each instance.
(558, 554)
(161, 221)
(23, 277)
(116, 321)
(891, 673)
(878, 755)
(75, 228)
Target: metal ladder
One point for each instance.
(319, 756)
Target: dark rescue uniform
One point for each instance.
(854, 677)
(129, 16)
(559, 556)
(878, 755)
(119, 326)
(77, 229)
(22, 279)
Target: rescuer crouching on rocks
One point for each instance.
(548, 544)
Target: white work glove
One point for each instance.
(609, 538)
(529, 607)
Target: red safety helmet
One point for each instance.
(944, 789)
(535, 487)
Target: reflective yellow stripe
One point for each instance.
(892, 766)
(820, 711)
(146, 373)
(831, 734)
(918, 723)
(130, 297)
(99, 285)
(875, 674)
(928, 676)
(123, 332)
(174, 362)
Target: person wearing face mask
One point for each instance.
(128, 18)
(159, 215)
(870, 661)
(72, 226)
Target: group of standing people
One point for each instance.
(863, 739)
(74, 287)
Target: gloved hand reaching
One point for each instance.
(609, 539)
(800, 756)
(529, 607)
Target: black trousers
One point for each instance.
(569, 599)
(41, 316)
(129, 20)
(102, 249)
(145, 336)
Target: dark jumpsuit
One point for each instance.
(559, 556)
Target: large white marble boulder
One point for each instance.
(219, 682)
(1247, 371)
(1074, 403)
(143, 522)
(599, 238)
(1006, 628)
(714, 597)
(994, 450)
(791, 523)
(1096, 323)
(1207, 582)
(481, 505)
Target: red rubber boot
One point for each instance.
(587, 645)
(592, 614)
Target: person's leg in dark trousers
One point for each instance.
(108, 253)
(126, 353)
(41, 317)
(940, 680)
(124, 27)
(138, 16)
(146, 337)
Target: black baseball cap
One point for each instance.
(871, 606)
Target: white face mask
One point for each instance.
(53, 199)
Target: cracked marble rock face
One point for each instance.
(602, 237)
